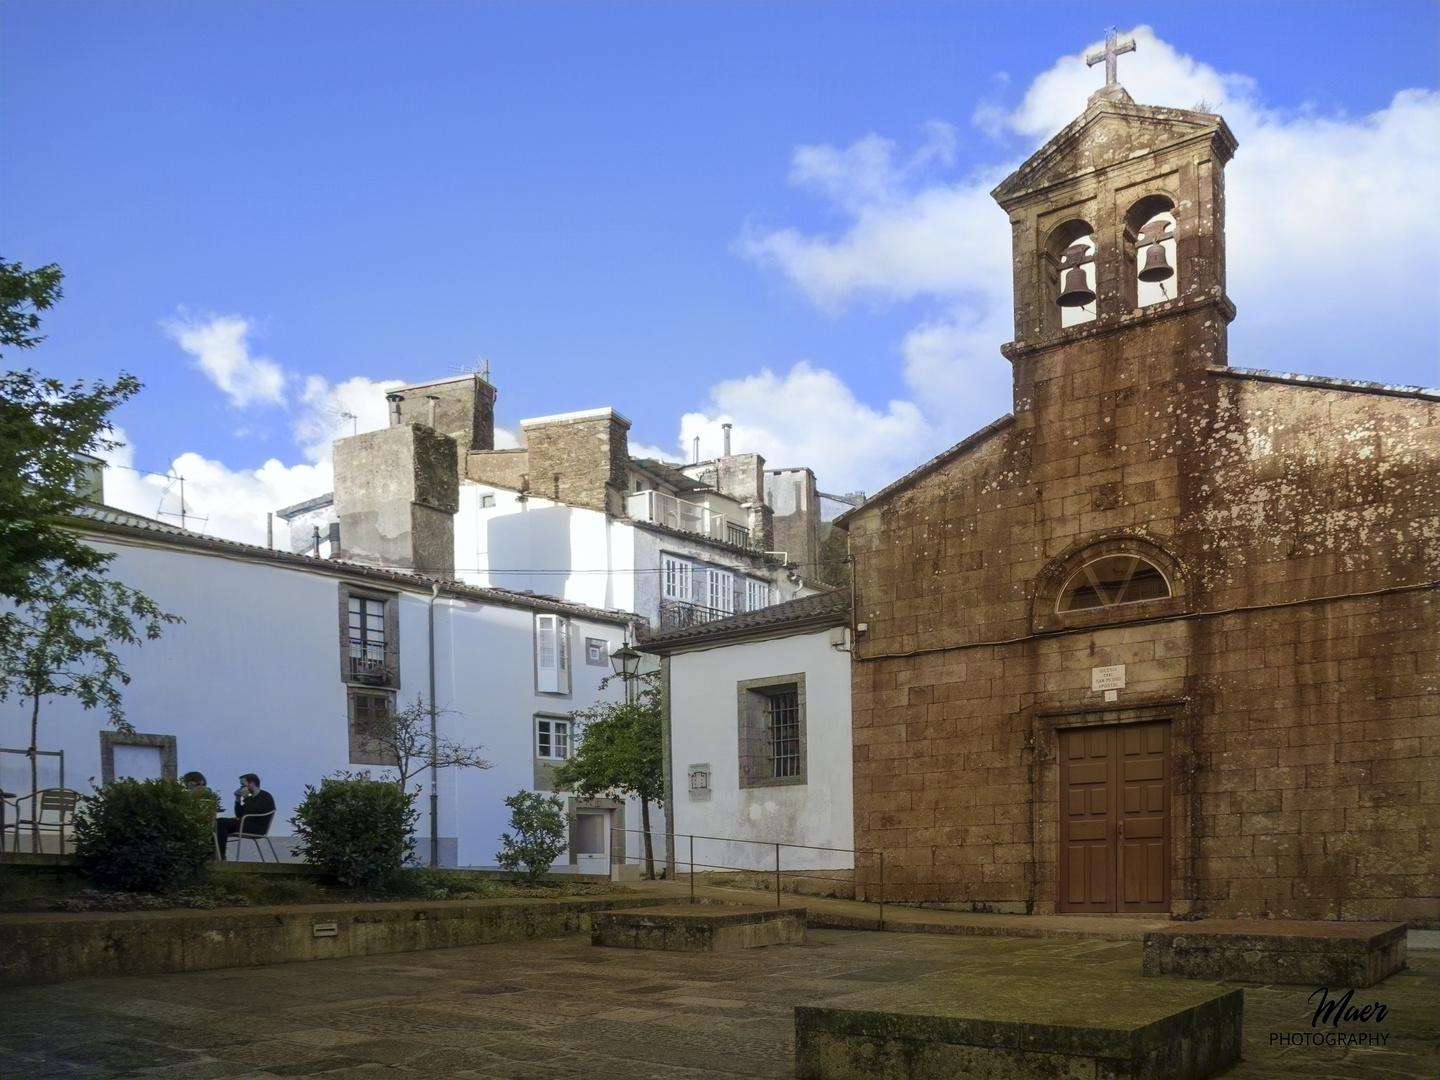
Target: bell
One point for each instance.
(1156, 268)
(1077, 289)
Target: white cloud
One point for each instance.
(218, 501)
(1329, 236)
(218, 344)
(334, 410)
(809, 417)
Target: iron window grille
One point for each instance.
(782, 733)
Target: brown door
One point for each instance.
(1115, 818)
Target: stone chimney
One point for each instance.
(396, 493)
(580, 458)
(462, 407)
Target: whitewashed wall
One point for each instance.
(251, 682)
(704, 729)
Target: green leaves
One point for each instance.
(144, 835)
(59, 641)
(22, 294)
(359, 830)
(619, 750)
(539, 836)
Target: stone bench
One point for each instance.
(1269, 951)
(1003, 1025)
(698, 927)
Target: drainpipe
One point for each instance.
(434, 735)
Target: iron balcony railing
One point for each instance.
(367, 664)
(682, 614)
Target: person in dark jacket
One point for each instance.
(250, 800)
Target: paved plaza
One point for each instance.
(562, 1008)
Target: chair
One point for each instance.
(254, 827)
(51, 810)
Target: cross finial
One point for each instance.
(1113, 49)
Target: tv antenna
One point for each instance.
(184, 515)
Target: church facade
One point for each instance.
(1163, 639)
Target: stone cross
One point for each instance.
(1112, 51)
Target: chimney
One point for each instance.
(726, 428)
(462, 407)
(396, 493)
(584, 455)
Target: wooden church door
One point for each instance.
(1115, 818)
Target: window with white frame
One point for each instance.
(552, 655)
(597, 652)
(720, 590)
(675, 575)
(552, 738)
(757, 594)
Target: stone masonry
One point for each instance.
(1294, 664)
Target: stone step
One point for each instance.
(1335, 954)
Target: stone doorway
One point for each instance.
(1115, 818)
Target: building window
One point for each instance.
(552, 738)
(369, 645)
(720, 591)
(772, 731)
(675, 578)
(141, 757)
(782, 733)
(372, 725)
(597, 652)
(757, 594)
(552, 655)
(1113, 580)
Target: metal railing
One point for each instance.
(682, 614)
(667, 510)
(771, 854)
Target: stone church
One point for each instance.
(1165, 637)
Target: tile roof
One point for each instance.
(107, 519)
(831, 607)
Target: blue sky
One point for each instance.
(661, 207)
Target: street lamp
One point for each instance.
(626, 662)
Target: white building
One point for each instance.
(571, 514)
(758, 736)
(278, 654)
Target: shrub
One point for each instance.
(540, 833)
(356, 829)
(144, 835)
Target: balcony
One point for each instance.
(367, 664)
(660, 509)
(681, 614)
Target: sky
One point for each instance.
(776, 215)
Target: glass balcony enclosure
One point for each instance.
(718, 517)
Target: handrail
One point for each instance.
(776, 845)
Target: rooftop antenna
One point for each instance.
(481, 367)
(183, 515)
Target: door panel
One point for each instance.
(1115, 818)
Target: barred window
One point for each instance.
(782, 733)
(771, 715)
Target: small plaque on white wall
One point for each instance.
(1108, 678)
(699, 782)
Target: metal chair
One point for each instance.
(51, 810)
(254, 833)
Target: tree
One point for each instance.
(64, 613)
(401, 740)
(619, 752)
(58, 643)
(44, 424)
(539, 836)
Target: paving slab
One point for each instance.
(561, 1008)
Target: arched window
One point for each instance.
(1070, 264)
(1112, 580)
(1150, 235)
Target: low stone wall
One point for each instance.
(39, 948)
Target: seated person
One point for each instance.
(249, 801)
(195, 783)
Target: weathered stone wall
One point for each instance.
(462, 407)
(580, 461)
(499, 468)
(396, 493)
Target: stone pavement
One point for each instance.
(561, 1008)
